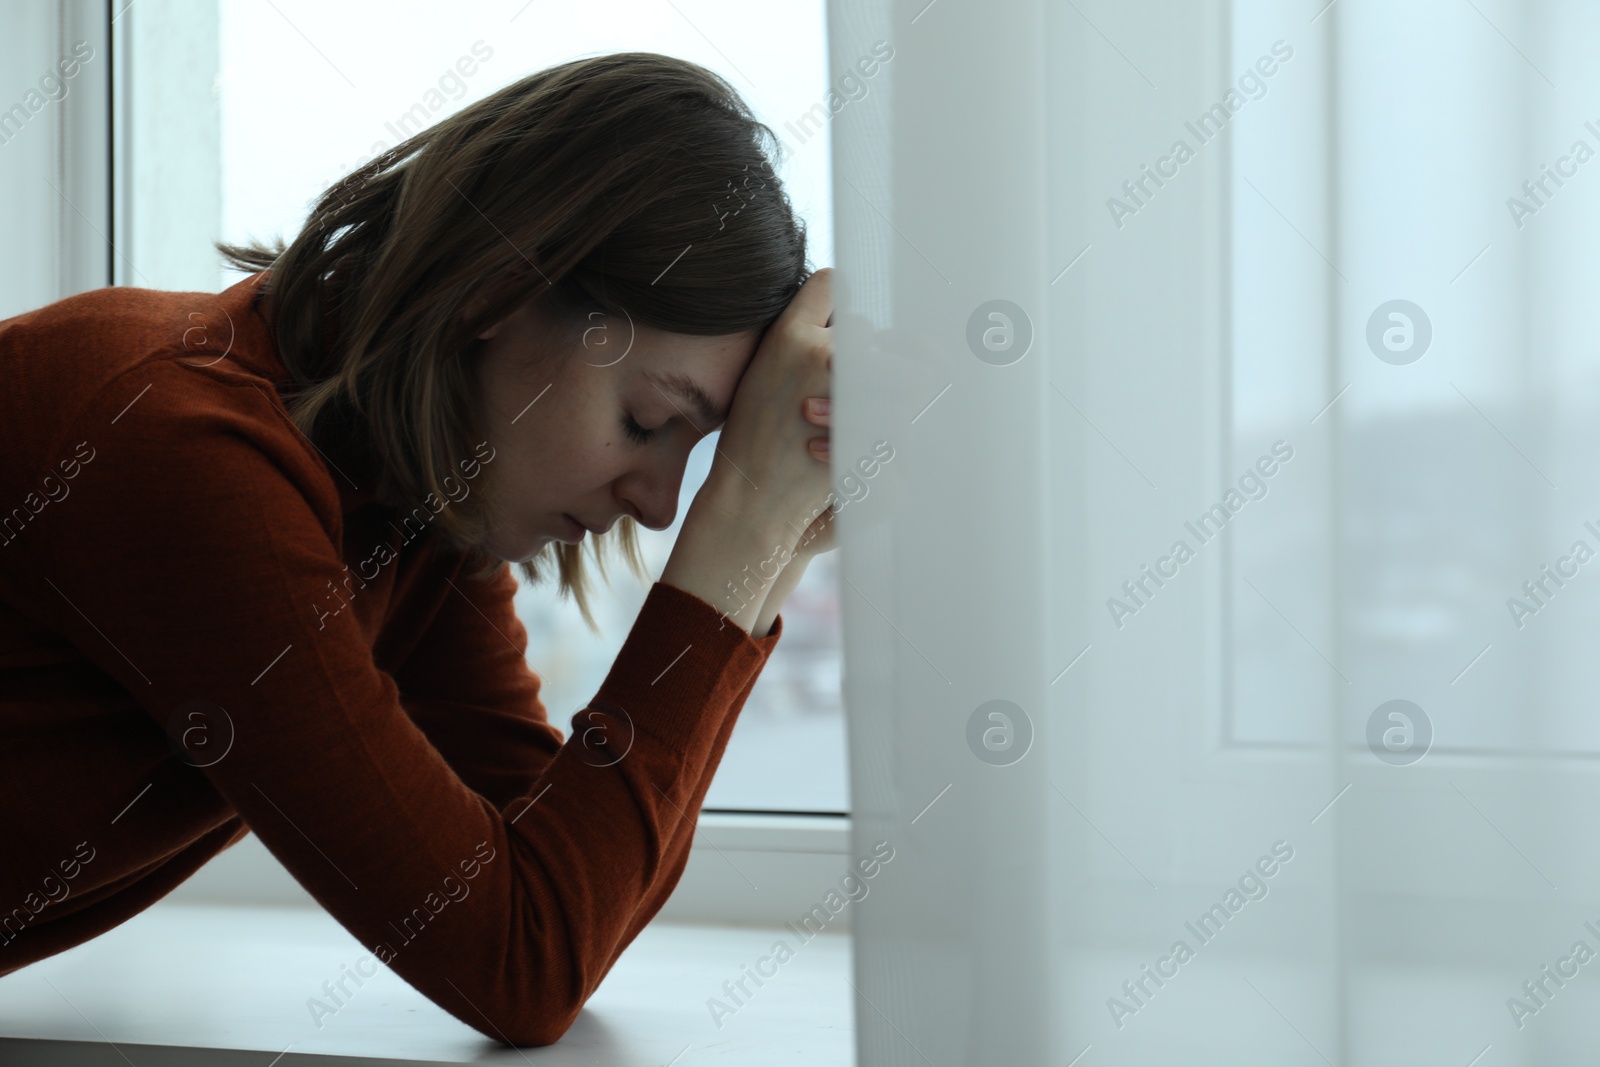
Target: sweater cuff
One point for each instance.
(682, 667)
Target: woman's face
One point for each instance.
(560, 430)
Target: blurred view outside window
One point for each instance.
(303, 92)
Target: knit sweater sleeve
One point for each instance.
(187, 562)
(468, 686)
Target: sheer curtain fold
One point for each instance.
(1214, 642)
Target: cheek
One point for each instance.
(564, 460)
(589, 446)
(564, 449)
(582, 472)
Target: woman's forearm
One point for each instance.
(722, 540)
(777, 593)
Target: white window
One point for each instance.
(239, 115)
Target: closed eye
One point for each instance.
(634, 431)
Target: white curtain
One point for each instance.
(1218, 640)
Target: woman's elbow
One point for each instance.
(536, 1028)
(538, 1035)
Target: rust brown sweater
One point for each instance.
(209, 628)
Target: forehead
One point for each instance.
(683, 388)
(697, 374)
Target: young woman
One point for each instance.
(254, 545)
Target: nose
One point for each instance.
(655, 515)
(650, 495)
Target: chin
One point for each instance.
(512, 551)
(542, 547)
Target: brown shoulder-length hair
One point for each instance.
(631, 183)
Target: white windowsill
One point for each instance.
(193, 983)
(750, 869)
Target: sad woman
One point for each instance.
(275, 594)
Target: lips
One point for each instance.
(575, 529)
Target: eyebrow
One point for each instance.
(690, 392)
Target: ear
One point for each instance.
(471, 308)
